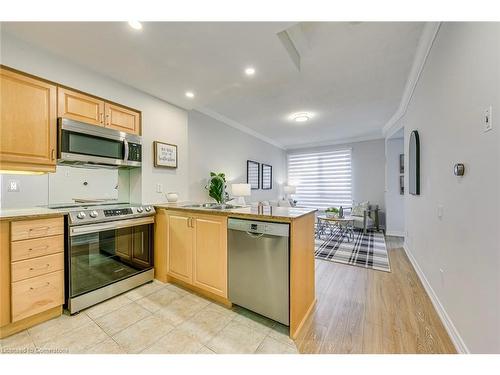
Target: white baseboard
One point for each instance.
(394, 233)
(457, 340)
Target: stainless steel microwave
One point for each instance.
(84, 144)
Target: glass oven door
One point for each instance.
(100, 255)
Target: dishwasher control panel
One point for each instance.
(259, 227)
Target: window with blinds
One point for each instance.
(323, 179)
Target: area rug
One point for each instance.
(365, 250)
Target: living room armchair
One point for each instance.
(365, 215)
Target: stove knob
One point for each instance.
(140, 209)
(148, 208)
(93, 214)
(81, 215)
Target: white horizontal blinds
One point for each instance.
(323, 179)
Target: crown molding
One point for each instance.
(234, 124)
(423, 49)
(341, 141)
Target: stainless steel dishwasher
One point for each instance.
(258, 267)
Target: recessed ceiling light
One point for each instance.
(135, 25)
(190, 94)
(250, 71)
(301, 116)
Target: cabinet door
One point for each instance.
(27, 123)
(180, 247)
(122, 119)
(210, 254)
(80, 107)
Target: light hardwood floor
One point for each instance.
(365, 311)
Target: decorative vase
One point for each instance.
(172, 197)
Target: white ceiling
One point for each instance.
(352, 75)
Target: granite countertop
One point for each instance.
(30, 213)
(253, 212)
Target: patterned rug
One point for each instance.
(365, 250)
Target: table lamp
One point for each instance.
(241, 191)
(289, 189)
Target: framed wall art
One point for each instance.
(266, 177)
(253, 174)
(165, 155)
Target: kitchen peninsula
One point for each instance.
(191, 250)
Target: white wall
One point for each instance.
(160, 120)
(460, 80)
(394, 201)
(215, 146)
(368, 169)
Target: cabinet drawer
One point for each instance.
(32, 296)
(26, 229)
(37, 247)
(36, 267)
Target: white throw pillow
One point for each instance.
(359, 209)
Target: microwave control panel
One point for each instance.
(134, 152)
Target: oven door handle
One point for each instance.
(93, 228)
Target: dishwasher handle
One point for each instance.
(254, 235)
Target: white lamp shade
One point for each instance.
(241, 190)
(289, 189)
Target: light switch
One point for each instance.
(159, 188)
(13, 186)
(488, 119)
(440, 211)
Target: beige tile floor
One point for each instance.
(155, 318)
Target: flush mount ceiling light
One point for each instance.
(136, 25)
(301, 116)
(250, 71)
(189, 94)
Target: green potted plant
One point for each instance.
(217, 187)
(332, 212)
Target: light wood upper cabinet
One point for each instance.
(28, 125)
(80, 107)
(122, 119)
(210, 254)
(180, 247)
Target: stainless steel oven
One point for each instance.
(109, 251)
(84, 144)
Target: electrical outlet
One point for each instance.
(488, 119)
(14, 186)
(159, 188)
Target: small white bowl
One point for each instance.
(172, 197)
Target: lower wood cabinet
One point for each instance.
(180, 247)
(31, 272)
(210, 254)
(197, 250)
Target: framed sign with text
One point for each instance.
(165, 155)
